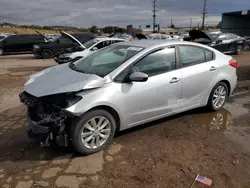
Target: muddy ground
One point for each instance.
(166, 153)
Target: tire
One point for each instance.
(47, 54)
(1, 51)
(86, 145)
(210, 104)
(239, 49)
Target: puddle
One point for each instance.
(231, 121)
(238, 129)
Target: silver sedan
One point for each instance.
(122, 86)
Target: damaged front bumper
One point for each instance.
(46, 122)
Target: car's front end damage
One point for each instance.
(48, 96)
(47, 119)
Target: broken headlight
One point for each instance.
(64, 100)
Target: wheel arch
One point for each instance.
(112, 111)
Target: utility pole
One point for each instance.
(204, 13)
(191, 23)
(154, 16)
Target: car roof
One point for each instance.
(107, 38)
(150, 43)
(160, 43)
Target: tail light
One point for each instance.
(233, 63)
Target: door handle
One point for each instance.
(174, 80)
(212, 68)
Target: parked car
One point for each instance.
(87, 48)
(224, 42)
(124, 85)
(51, 47)
(157, 36)
(19, 43)
(83, 50)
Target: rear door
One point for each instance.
(199, 70)
(11, 44)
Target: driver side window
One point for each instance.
(158, 62)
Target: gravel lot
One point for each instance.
(166, 153)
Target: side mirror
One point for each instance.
(138, 77)
(94, 49)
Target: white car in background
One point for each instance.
(88, 48)
(158, 36)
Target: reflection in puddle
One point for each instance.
(215, 121)
(231, 121)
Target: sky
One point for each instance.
(85, 13)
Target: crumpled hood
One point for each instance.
(61, 79)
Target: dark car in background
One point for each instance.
(58, 44)
(224, 42)
(19, 43)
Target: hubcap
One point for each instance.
(47, 54)
(96, 132)
(219, 96)
(239, 49)
(1, 51)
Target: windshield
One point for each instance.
(55, 38)
(90, 43)
(105, 60)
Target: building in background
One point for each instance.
(236, 22)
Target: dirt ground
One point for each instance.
(166, 153)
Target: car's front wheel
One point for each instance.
(218, 96)
(93, 131)
(239, 49)
(47, 54)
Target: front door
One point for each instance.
(160, 95)
(199, 70)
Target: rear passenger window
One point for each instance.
(191, 55)
(208, 55)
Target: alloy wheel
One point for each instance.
(47, 54)
(96, 132)
(219, 96)
(1, 51)
(239, 49)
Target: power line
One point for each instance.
(204, 14)
(154, 15)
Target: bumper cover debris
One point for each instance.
(46, 122)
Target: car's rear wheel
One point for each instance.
(218, 96)
(239, 49)
(93, 131)
(1, 51)
(47, 54)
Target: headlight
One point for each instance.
(36, 46)
(64, 100)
